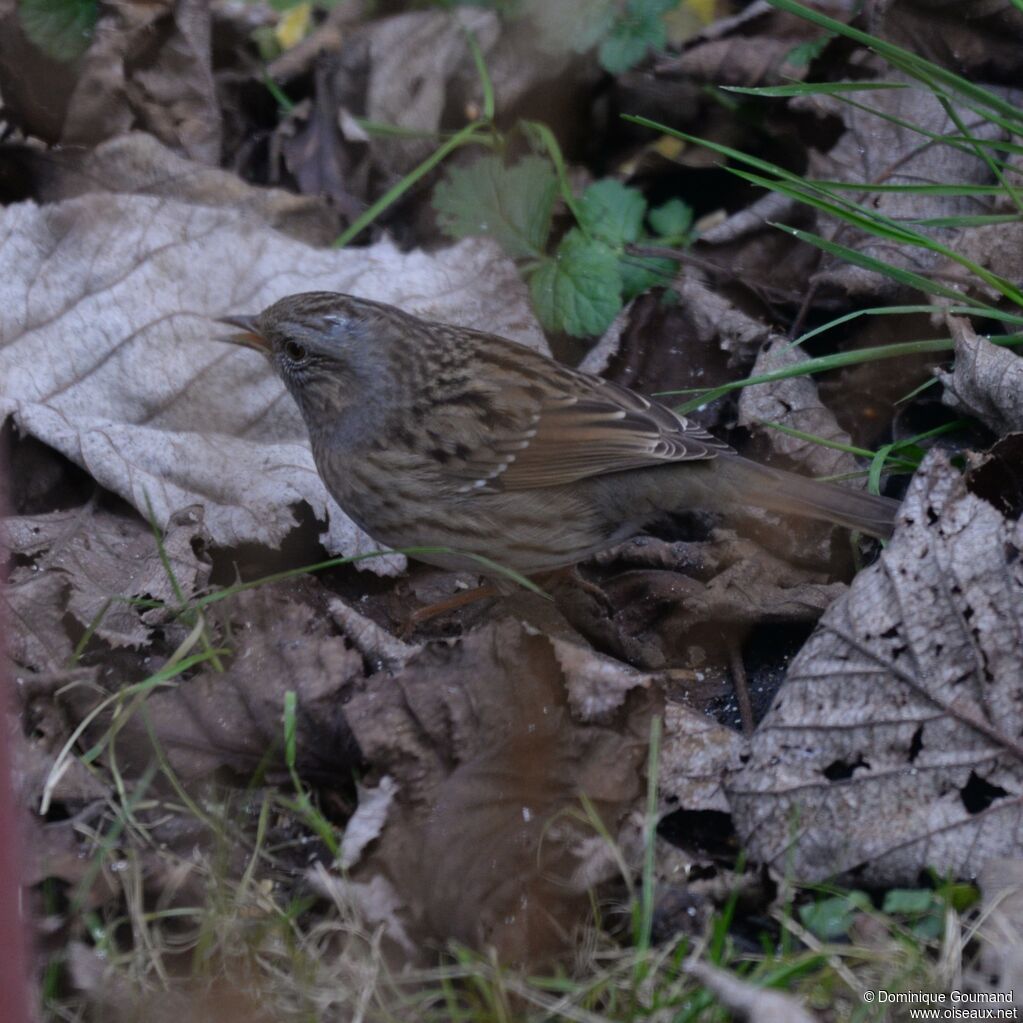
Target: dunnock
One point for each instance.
(434, 435)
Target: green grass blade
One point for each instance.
(904, 58)
(893, 310)
(486, 84)
(982, 153)
(542, 136)
(812, 88)
(898, 274)
(831, 362)
(467, 135)
(825, 185)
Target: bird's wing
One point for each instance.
(531, 430)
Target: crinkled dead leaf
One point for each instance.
(107, 351)
(986, 380)
(106, 559)
(148, 67)
(233, 719)
(314, 141)
(138, 164)
(485, 838)
(34, 617)
(728, 583)
(757, 46)
(794, 403)
(696, 754)
(893, 744)
(414, 70)
(367, 822)
(412, 62)
(144, 66)
(974, 38)
(896, 157)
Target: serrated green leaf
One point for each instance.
(579, 289)
(62, 29)
(513, 205)
(672, 220)
(639, 29)
(642, 272)
(612, 212)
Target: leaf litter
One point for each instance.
(450, 765)
(904, 701)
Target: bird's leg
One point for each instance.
(442, 607)
(545, 580)
(573, 577)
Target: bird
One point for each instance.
(430, 435)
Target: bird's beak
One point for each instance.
(248, 334)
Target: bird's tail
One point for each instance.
(791, 494)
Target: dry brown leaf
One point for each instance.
(35, 634)
(481, 843)
(696, 754)
(727, 582)
(138, 164)
(986, 380)
(980, 39)
(898, 155)
(33, 758)
(412, 59)
(106, 558)
(416, 70)
(105, 350)
(148, 67)
(753, 47)
(233, 719)
(796, 404)
(893, 744)
(998, 247)
(314, 140)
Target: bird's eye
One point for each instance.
(294, 351)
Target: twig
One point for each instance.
(741, 688)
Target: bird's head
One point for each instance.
(330, 349)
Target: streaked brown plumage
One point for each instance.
(434, 435)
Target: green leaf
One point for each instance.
(612, 212)
(804, 54)
(579, 289)
(831, 918)
(642, 272)
(638, 30)
(62, 29)
(909, 901)
(513, 205)
(922, 907)
(672, 220)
